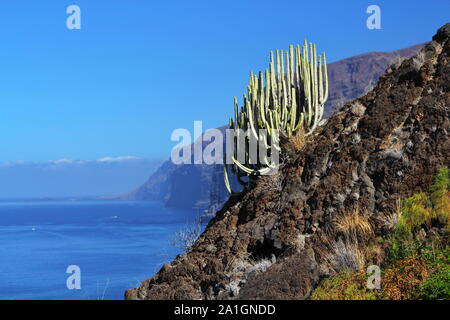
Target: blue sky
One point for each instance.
(138, 69)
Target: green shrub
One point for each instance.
(440, 196)
(346, 285)
(441, 183)
(415, 213)
(422, 208)
(402, 248)
(437, 286)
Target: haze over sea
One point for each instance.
(115, 244)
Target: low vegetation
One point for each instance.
(298, 140)
(354, 224)
(185, 238)
(418, 253)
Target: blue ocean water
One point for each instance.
(115, 244)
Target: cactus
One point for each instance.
(289, 96)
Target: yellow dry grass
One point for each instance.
(298, 140)
(354, 224)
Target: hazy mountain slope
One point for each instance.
(202, 185)
(185, 186)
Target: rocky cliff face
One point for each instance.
(348, 78)
(279, 239)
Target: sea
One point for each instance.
(84, 250)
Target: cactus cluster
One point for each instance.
(289, 96)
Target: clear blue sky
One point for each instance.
(139, 69)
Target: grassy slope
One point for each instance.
(418, 262)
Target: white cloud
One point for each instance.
(59, 161)
(11, 163)
(116, 159)
(67, 161)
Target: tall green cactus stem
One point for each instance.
(290, 95)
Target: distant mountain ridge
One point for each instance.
(201, 186)
(352, 77)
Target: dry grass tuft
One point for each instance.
(397, 61)
(390, 220)
(346, 255)
(354, 224)
(419, 60)
(298, 140)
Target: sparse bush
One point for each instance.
(369, 86)
(346, 255)
(390, 221)
(185, 238)
(419, 60)
(397, 61)
(340, 100)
